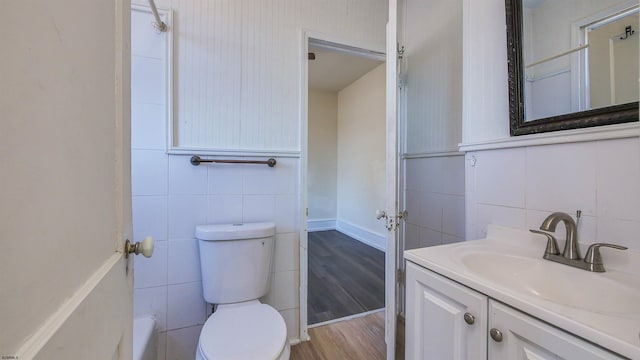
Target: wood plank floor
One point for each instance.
(355, 339)
(345, 277)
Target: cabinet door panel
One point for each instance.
(436, 327)
(527, 338)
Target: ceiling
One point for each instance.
(333, 70)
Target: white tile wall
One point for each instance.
(598, 177)
(434, 199)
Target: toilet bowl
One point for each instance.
(235, 260)
(248, 330)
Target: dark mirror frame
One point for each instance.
(616, 114)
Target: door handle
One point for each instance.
(145, 247)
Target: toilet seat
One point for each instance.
(248, 330)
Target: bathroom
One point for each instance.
(460, 160)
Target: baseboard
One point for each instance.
(363, 235)
(321, 225)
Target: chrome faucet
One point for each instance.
(571, 245)
(571, 256)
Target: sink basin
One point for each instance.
(594, 292)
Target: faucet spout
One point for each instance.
(571, 244)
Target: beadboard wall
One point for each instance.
(432, 65)
(237, 66)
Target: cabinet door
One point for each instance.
(525, 337)
(436, 327)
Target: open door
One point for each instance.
(392, 215)
(65, 196)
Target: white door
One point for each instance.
(391, 263)
(64, 180)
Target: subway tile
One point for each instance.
(431, 211)
(453, 215)
(287, 176)
(148, 126)
(161, 345)
(149, 217)
(257, 208)
(185, 305)
(149, 172)
(225, 179)
(292, 319)
(286, 213)
(412, 237)
(283, 293)
(413, 203)
(450, 239)
(620, 232)
(430, 237)
(151, 272)
(561, 178)
(453, 175)
(183, 261)
(147, 80)
(500, 177)
(260, 180)
(287, 252)
(186, 179)
(151, 301)
(224, 209)
(182, 343)
(185, 212)
(618, 172)
(499, 215)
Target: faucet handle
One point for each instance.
(552, 243)
(593, 253)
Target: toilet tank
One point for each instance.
(235, 260)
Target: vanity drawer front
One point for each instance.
(445, 320)
(525, 337)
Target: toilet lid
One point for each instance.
(243, 331)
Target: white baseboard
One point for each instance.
(378, 241)
(321, 225)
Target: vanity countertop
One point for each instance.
(603, 308)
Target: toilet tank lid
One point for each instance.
(235, 231)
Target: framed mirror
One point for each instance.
(572, 64)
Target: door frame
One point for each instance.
(348, 46)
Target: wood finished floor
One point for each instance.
(345, 277)
(355, 339)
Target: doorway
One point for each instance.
(345, 183)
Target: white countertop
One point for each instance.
(618, 332)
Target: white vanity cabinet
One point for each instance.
(525, 337)
(447, 320)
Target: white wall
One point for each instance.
(434, 170)
(322, 170)
(361, 155)
(238, 71)
(433, 67)
(519, 186)
(171, 197)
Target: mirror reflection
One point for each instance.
(578, 55)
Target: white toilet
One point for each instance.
(235, 260)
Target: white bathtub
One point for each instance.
(144, 338)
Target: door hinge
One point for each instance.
(400, 51)
(400, 277)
